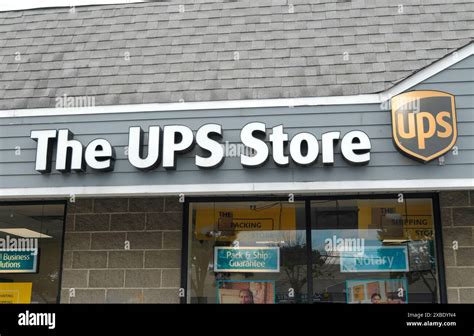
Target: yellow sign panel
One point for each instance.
(229, 221)
(15, 292)
(419, 234)
(393, 222)
(245, 224)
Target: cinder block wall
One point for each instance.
(100, 268)
(457, 217)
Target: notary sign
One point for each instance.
(18, 261)
(247, 259)
(376, 259)
(424, 124)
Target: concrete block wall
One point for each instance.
(457, 218)
(97, 263)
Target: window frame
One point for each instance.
(440, 266)
(61, 257)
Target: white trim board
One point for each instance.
(28, 5)
(297, 188)
(398, 88)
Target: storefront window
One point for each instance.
(30, 252)
(247, 252)
(374, 251)
(360, 251)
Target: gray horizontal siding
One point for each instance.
(462, 88)
(467, 63)
(464, 144)
(95, 130)
(243, 176)
(229, 124)
(379, 144)
(451, 76)
(187, 163)
(386, 162)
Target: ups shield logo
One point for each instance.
(424, 124)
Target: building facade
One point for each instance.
(199, 154)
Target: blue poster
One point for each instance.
(246, 259)
(18, 261)
(376, 259)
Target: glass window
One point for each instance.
(377, 250)
(247, 252)
(373, 251)
(30, 252)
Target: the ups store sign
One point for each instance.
(424, 123)
(424, 127)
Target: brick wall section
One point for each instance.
(457, 217)
(99, 267)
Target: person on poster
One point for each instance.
(375, 298)
(258, 290)
(246, 296)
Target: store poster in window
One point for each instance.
(246, 291)
(241, 223)
(377, 291)
(15, 292)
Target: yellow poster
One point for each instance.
(15, 292)
(413, 222)
(358, 293)
(228, 221)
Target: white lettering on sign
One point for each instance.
(252, 136)
(212, 146)
(135, 147)
(176, 139)
(167, 144)
(244, 258)
(44, 149)
(371, 261)
(37, 319)
(99, 154)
